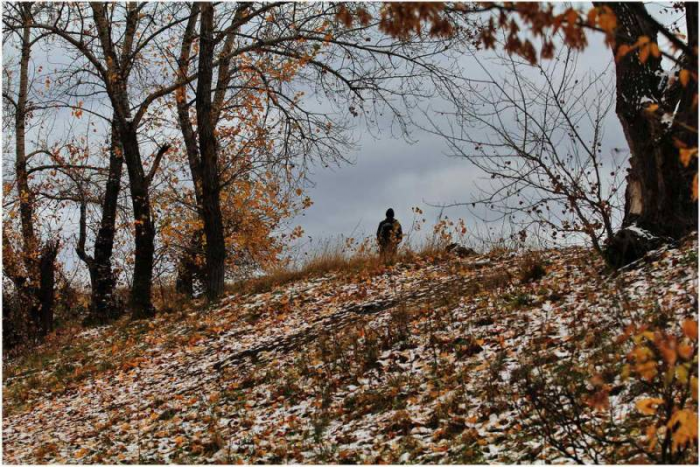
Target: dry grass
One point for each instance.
(325, 261)
(339, 259)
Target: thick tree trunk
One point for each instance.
(202, 149)
(187, 269)
(103, 306)
(215, 241)
(215, 246)
(144, 232)
(658, 203)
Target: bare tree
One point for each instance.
(537, 132)
(112, 57)
(34, 282)
(103, 306)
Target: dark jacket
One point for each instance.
(389, 231)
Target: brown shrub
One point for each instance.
(531, 268)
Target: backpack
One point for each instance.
(389, 231)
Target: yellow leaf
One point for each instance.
(81, 453)
(647, 370)
(651, 437)
(623, 50)
(687, 154)
(684, 428)
(625, 372)
(648, 406)
(651, 108)
(682, 374)
(638, 340)
(607, 19)
(592, 14)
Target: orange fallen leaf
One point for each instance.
(649, 406)
(690, 329)
(685, 351)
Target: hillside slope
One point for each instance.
(422, 362)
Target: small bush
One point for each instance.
(532, 268)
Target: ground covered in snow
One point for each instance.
(475, 360)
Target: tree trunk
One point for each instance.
(18, 311)
(103, 306)
(203, 157)
(658, 201)
(46, 288)
(215, 246)
(140, 300)
(187, 269)
(183, 113)
(215, 241)
(26, 196)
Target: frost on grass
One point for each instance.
(446, 361)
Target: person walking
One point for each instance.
(389, 235)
